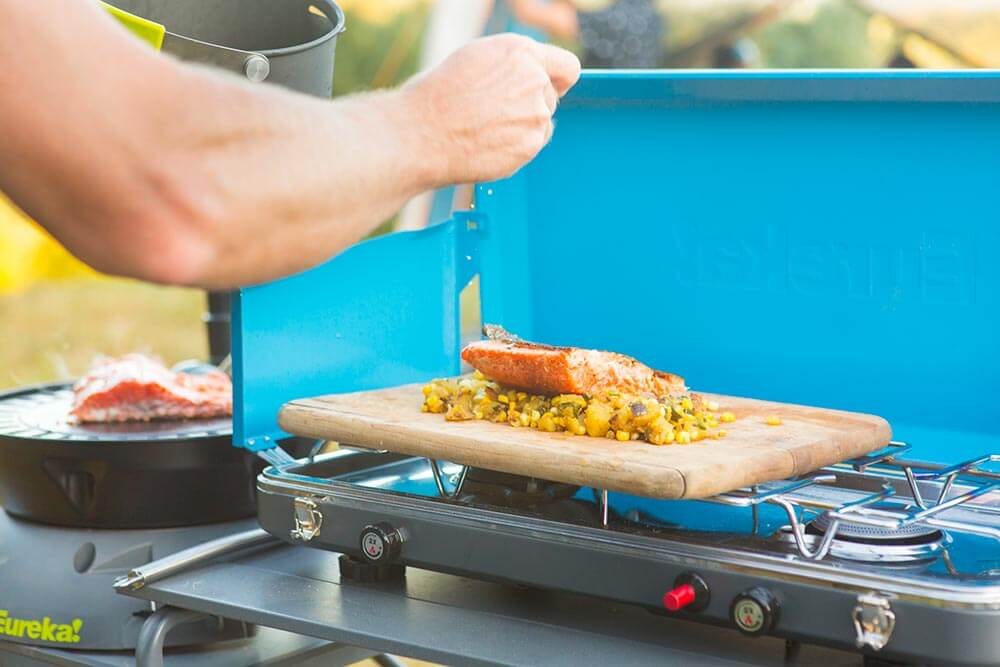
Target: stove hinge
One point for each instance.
(874, 621)
(469, 228)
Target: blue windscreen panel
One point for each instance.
(382, 313)
(819, 238)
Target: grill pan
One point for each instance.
(133, 475)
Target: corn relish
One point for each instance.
(662, 420)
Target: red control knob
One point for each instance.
(679, 597)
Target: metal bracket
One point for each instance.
(308, 519)
(149, 649)
(874, 621)
(191, 557)
(274, 454)
(458, 481)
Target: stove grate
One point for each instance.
(41, 413)
(883, 512)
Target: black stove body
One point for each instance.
(886, 580)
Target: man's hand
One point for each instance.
(158, 170)
(487, 109)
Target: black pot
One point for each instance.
(298, 38)
(140, 475)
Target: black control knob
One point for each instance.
(381, 543)
(755, 612)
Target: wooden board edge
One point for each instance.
(295, 418)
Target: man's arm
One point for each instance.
(146, 167)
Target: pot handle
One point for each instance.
(148, 31)
(254, 66)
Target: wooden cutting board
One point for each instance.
(751, 453)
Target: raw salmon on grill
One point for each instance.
(137, 388)
(543, 369)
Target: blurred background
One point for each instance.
(56, 314)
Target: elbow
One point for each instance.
(171, 257)
(173, 237)
(178, 258)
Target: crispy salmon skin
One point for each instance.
(543, 369)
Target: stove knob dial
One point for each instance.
(381, 543)
(690, 593)
(680, 597)
(755, 612)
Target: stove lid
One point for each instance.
(811, 237)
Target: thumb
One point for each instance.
(562, 66)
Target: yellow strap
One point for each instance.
(148, 31)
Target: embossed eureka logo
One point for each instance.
(43, 629)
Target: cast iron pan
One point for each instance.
(139, 475)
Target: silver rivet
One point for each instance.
(256, 68)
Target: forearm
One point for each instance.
(171, 173)
(279, 183)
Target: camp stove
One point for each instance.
(882, 554)
(787, 236)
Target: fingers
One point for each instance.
(551, 98)
(548, 133)
(562, 67)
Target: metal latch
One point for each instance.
(308, 519)
(874, 621)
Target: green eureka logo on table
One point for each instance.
(44, 629)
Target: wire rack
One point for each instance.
(898, 504)
(886, 508)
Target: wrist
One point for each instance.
(421, 135)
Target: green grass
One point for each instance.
(54, 330)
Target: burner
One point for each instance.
(852, 532)
(513, 490)
(913, 544)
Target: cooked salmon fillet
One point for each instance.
(543, 369)
(137, 388)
